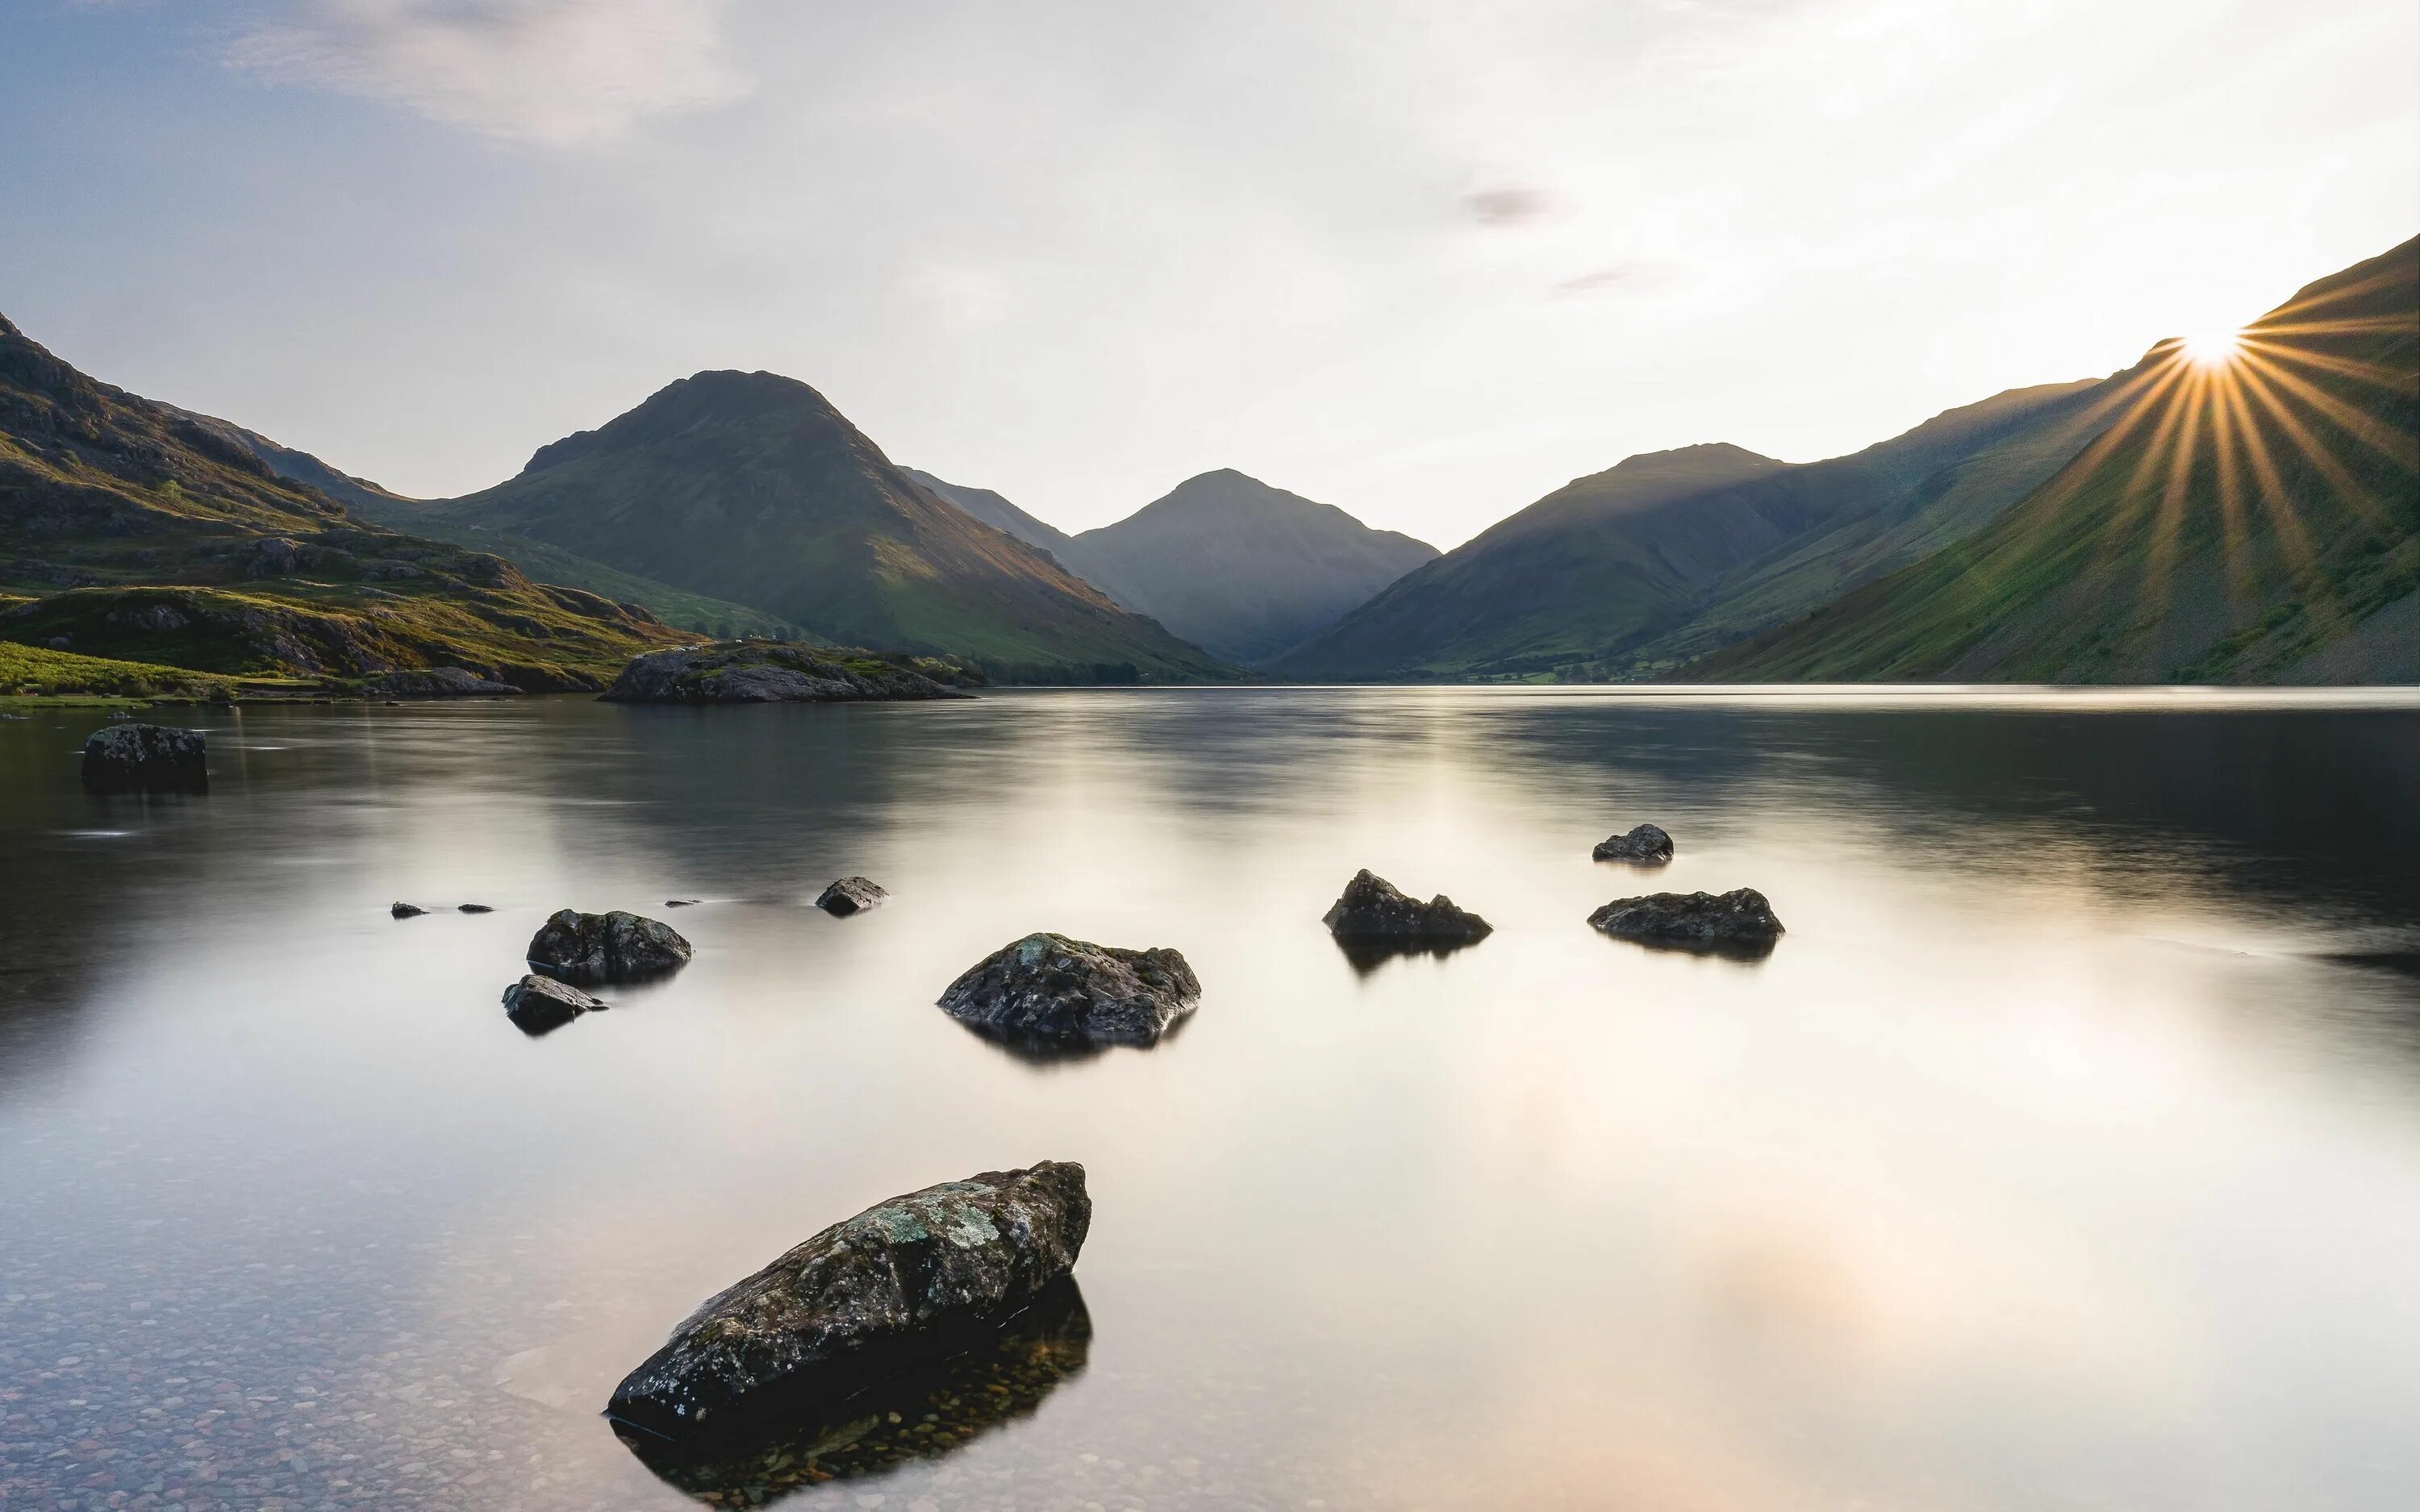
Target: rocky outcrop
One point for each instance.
(1373, 908)
(850, 895)
(909, 1281)
(146, 758)
(438, 682)
(1738, 921)
(537, 1004)
(615, 946)
(472, 908)
(1647, 843)
(400, 909)
(767, 671)
(1053, 988)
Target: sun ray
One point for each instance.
(2319, 606)
(2395, 446)
(2352, 367)
(2256, 388)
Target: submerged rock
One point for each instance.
(472, 908)
(1648, 843)
(404, 910)
(615, 946)
(1050, 987)
(146, 758)
(1373, 908)
(907, 1282)
(849, 895)
(438, 683)
(1740, 920)
(767, 671)
(540, 1003)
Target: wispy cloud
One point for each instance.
(556, 72)
(1507, 206)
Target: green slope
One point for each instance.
(177, 544)
(1628, 572)
(2253, 521)
(750, 487)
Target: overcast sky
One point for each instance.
(1425, 261)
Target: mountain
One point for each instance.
(365, 499)
(136, 533)
(1241, 568)
(2254, 517)
(998, 513)
(752, 488)
(1624, 573)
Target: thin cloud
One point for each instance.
(1507, 206)
(553, 71)
(1589, 283)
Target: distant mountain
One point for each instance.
(998, 513)
(2255, 518)
(752, 488)
(1627, 572)
(300, 466)
(139, 533)
(1241, 568)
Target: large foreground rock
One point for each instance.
(850, 895)
(911, 1280)
(1648, 843)
(1050, 987)
(1373, 908)
(766, 671)
(615, 946)
(537, 1003)
(1740, 920)
(144, 758)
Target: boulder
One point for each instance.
(615, 946)
(849, 895)
(1648, 843)
(1373, 908)
(1050, 987)
(537, 1003)
(438, 682)
(913, 1280)
(1737, 921)
(767, 671)
(144, 758)
(405, 910)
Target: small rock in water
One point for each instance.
(472, 908)
(1648, 843)
(1738, 921)
(1372, 907)
(849, 895)
(404, 910)
(537, 1003)
(916, 1279)
(1050, 987)
(615, 946)
(144, 758)
(679, 903)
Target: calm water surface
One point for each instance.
(2059, 1157)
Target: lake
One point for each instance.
(2064, 1153)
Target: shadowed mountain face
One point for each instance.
(179, 545)
(752, 488)
(1242, 568)
(996, 512)
(2254, 517)
(1625, 573)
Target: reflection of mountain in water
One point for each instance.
(922, 1415)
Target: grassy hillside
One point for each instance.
(177, 544)
(39, 670)
(750, 487)
(2250, 519)
(1627, 572)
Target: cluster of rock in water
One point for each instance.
(772, 1381)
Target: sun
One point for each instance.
(2214, 349)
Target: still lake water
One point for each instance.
(2054, 1159)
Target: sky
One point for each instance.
(1426, 261)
